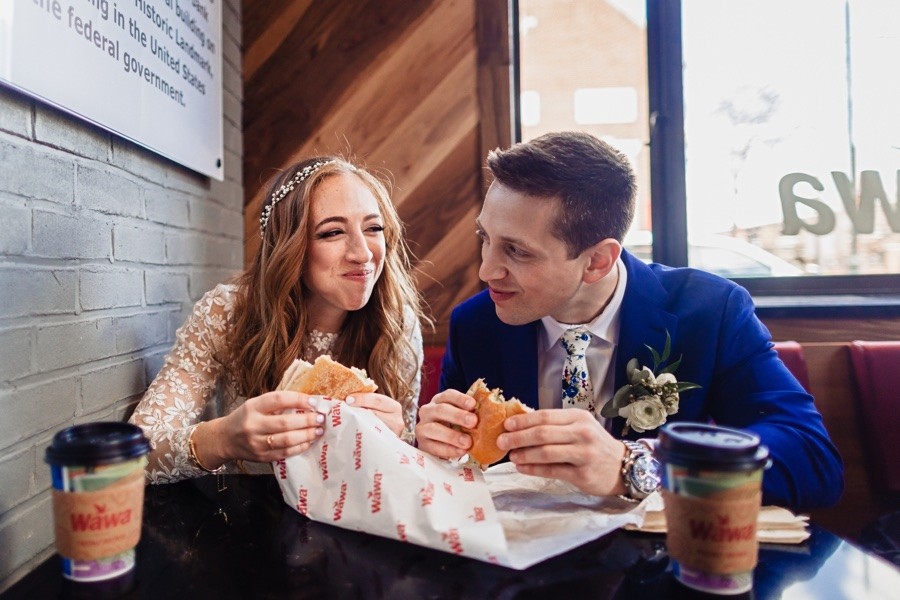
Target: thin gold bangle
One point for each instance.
(192, 453)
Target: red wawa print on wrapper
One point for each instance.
(339, 505)
(427, 494)
(303, 501)
(375, 494)
(419, 460)
(282, 468)
(323, 461)
(453, 540)
(357, 452)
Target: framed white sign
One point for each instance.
(148, 70)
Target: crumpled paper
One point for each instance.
(360, 476)
(775, 525)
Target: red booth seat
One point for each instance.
(876, 373)
(431, 373)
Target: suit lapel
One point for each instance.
(519, 363)
(643, 322)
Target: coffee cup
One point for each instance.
(712, 489)
(97, 474)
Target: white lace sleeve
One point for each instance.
(412, 372)
(175, 400)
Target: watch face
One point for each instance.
(645, 473)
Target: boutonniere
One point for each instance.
(650, 395)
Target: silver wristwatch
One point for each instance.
(640, 471)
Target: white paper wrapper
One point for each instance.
(361, 476)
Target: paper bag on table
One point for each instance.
(361, 476)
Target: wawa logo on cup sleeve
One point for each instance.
(91, 525)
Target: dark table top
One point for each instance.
(246, 542)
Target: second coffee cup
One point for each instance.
(712, 488)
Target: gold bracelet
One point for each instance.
(192, 453)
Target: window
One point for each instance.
(597, 106)
(773, 158)
(530, 108)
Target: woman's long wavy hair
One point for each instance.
(271, 315)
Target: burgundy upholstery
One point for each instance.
(791, 354)
(431, 373)
(876, 371)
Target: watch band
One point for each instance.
(633, 451)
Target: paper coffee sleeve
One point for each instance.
(713, 536)
(101, 523)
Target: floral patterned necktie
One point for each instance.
(577, 391)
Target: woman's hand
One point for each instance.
(265, 428)
(434, 434)
(567, 444)
(385, 408)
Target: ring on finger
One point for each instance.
(269, 442)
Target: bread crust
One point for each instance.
(325, 377)
(492, 410)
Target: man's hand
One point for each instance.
(434, 434)
(567, 444)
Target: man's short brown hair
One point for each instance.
(593, 181)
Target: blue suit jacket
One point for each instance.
(725, 349)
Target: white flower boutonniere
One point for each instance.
(650, 395)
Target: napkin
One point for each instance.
(360, 476)
(775, 525)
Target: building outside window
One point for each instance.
(790, 132)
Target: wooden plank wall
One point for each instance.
(410, 89)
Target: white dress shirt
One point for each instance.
(600, 354)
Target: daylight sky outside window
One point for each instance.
(792, 136)
(792, 132)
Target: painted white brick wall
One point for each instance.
(104, 248)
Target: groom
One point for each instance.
(565, 310)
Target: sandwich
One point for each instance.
(492, 409)
(325, 377)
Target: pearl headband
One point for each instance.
(287, 188)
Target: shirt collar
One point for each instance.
(605, 326)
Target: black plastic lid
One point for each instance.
(97, 443)
(710, 447)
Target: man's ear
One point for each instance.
(602, 257)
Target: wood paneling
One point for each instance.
(401, 87)
(829, 330)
